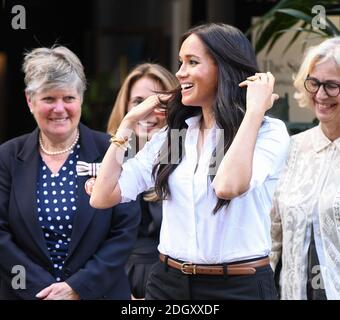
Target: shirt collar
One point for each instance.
(337, 143)
(194, 122)
(320, 140)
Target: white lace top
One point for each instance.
(308, 192)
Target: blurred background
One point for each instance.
(112, 36)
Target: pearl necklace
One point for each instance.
(55, 153)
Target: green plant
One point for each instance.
(293, 16)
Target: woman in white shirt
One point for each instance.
(306, 210)
(215, 166)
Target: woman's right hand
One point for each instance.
(143, 110)
(260, 96)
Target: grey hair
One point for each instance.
(55, 67)
(327, 50)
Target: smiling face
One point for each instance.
(141, 89)
(197, 74)
(57, 113)
(327, 109)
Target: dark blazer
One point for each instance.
(101, 240)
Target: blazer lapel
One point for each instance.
(24, 186)
(88, 153)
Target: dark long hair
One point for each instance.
(235, 60)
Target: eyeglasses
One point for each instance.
(312, 85)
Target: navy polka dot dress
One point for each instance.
(57, 206)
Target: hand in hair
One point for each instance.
(260, 96)
(154, 103)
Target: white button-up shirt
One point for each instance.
(190, 231)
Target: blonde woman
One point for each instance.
(306, 211)
(142, 82)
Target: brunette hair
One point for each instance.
(235, 60)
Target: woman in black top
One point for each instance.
(144, 80)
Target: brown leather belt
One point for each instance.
(218, 270)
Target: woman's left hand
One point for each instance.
(260, 96)
(58, 291)
(143, 110)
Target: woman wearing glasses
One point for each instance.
(306, 208)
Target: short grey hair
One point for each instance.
(327, 50)
(55, 67)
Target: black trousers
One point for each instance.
(166, 283)
(318, 293)
(138, 269)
